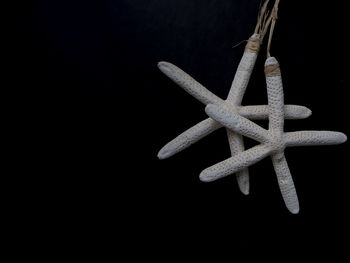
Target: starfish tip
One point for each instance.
(245, 192)
(216, 112)
(343, 138)
(295, 210)
(210, 108)
(163, 154)
(307, 112)
(162, 65)
(204, 177)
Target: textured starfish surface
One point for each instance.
(273, 141)
(232, 104)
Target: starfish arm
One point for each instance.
(237, 123)
(188, 138)
(310, 138)
(189, 84)
(242, 76)
(285, 182)
(236, 146)
(261, 112)
(234, 164)
(275, 95)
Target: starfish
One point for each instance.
(232, 103)
(273, 141)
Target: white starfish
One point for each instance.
(273, 141)
(232, 103)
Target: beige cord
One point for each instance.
(272, 28)
(272, 70)
(263, 23)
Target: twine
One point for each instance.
(272, 70)
(253, 45)
(274, 16)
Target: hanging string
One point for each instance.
(272, 28)
(240, 43)
(263, 23)
(261, 16)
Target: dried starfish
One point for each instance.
(233, 103)
(273, 141)
(236, 94)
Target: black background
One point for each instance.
(102, 110)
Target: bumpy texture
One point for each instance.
(189, 84)
(234, 163)
(273, 141)
(233, 103)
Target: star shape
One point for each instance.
(232, 103)
(272, 141)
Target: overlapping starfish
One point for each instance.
(233, 102)
(273, 141)
(235, 117)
